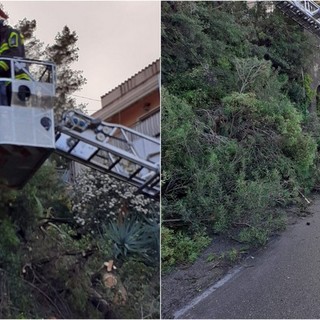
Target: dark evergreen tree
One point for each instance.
(63, 53)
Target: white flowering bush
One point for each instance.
(100, 199)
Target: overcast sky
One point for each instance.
(116, 39)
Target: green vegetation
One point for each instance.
(181, 248)
(53, 250)
(231, 256)
(239, 143)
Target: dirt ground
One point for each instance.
(184, 283)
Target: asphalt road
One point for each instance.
(282, 282)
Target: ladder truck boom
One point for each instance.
(113, 149)
(28, 135)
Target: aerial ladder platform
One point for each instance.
(305, 13)
(116, 150)
(28, 135)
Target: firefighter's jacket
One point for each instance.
(11, 45)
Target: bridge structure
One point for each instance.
(306, 13)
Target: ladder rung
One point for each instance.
(93, 155)
(135, 173)
(155, 182)
(115, 163)
(147, 183)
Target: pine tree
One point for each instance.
(65, 52)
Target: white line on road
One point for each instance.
(220, 283)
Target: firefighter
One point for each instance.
(11, 45)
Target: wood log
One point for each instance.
(101, 304)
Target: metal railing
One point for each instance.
(306, 13)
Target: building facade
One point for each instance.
(135, 103)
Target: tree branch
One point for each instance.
(100, 303)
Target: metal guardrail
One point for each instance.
(306, 13)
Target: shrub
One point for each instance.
(180, 248)
(254, 236)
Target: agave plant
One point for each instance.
(133, 236)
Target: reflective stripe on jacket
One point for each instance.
(11, 45)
